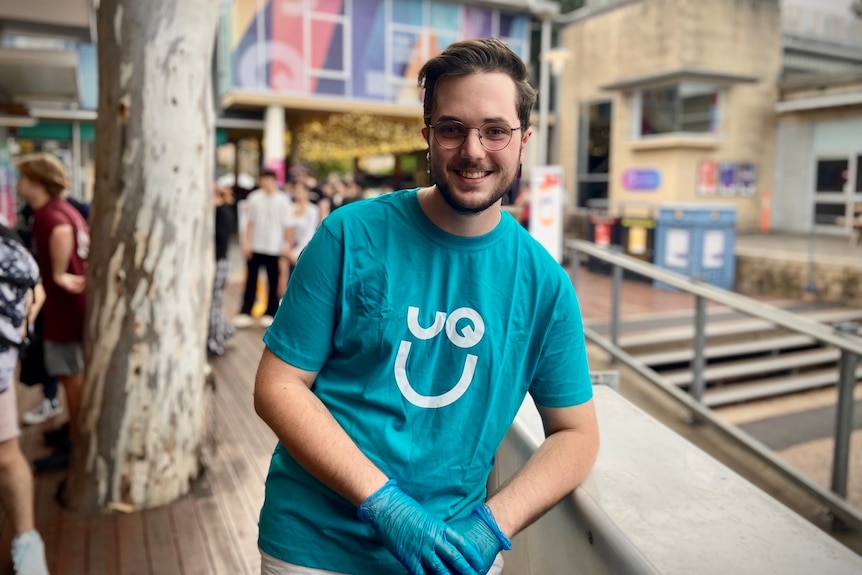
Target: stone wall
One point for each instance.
(788, 278)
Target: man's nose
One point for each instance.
(472, 146)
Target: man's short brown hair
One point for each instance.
(477, 56)
(46, 170)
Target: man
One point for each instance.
(413, 328)
(61, 243)
(18, 273)
(268, 236)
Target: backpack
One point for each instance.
(18, 274)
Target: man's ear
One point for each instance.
(425, 133)
(527, 133)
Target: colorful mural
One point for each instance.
(349, 49)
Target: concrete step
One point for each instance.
(744, 368)
(765, 344)
(763, 388)
(678, 335)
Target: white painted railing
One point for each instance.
(655, 503)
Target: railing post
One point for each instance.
(576, 265)
(698, 363)
(617, 280)
(844, 412)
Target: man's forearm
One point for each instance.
(560, 464)
(318, 443)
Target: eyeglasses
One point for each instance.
(494, 136)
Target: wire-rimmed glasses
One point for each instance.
(494, 136)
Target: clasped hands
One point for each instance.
(424, 544)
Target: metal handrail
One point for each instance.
(848, 342)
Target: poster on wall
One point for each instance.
(713, 249)
(676, 248)
(8, 197)
(746, 183)
(707, 178)
(727, 179)
(546, 208)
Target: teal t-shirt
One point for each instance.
(426, 344)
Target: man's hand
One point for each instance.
(421, 542)
(71, 283)
(246, 252)
(480, 531)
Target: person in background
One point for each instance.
(306, 216)
(18, 273)
(413, 328)
(62, 242)
(268, 236)
(219, 328)
(50, 406)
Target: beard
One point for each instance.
(502, 187)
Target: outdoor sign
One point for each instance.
(713, 249)
(641, 179)
(707, 178)
(677, 248)
(727, 179)
(746, 184)
(546, 208)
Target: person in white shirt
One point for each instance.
(267, 237)
(306, 216)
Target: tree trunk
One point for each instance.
(150, 267)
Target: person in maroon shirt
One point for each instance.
(61, 241)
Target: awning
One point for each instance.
(63, 19)
(38, 75)
(674, 76)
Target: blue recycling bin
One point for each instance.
(697, 240)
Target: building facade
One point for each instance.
(678, 101)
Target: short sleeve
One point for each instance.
(562, 377)
(301, 333)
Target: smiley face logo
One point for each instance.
(465, 337)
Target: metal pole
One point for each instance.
(617, 276)
(575, 266)
(844, 412)
(697, 365)
(810, 285)
(543, 91)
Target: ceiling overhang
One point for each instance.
(675, 76)
(62, 19)
(38, 75)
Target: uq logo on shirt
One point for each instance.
(466, 337)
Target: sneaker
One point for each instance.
(28, 554)
(242, 320)
(46, 409)
(266, 321)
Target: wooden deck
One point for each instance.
(213, 530)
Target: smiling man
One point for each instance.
(413, 328)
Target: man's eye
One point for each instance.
(496, 132)
(450, 130)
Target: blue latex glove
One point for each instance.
(482, 533)
(423, 543)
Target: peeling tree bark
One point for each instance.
(151, 261)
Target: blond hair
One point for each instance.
(46, 170)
